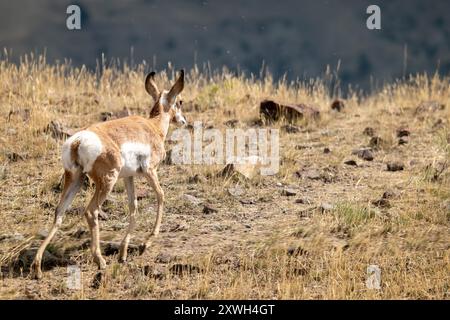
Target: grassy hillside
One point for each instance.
(259, 242)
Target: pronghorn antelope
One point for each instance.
(122, 148)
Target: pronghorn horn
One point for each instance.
(150, 86)
(177, 87)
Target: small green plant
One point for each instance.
(350, 215)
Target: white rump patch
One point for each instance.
(135, 158)
(89, 149)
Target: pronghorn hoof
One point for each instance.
(122, 260)
(101, 264)
(37, 275)
(35, 271)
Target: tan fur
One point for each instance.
(108, 164)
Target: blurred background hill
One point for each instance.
(297, 38)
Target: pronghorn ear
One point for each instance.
(177, 88)
(151, 87)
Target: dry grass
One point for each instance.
(268, 246)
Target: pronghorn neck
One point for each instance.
(162, 122)
(160, 116)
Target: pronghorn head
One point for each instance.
(167, 101)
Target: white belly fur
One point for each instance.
(135, 158)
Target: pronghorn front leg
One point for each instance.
(152, 177)
(132, 205)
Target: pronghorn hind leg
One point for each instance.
(103, 187)
(132, 205)
(72, 184)
(152, 177)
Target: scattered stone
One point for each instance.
(327, 175)
(49, 260)
(197, 178)
(389, 194)
(403, 140)
(369, 131)
(184, 269)
(288, 192)
(247, 201)
(337, 105)
(311, 174)
(233, 123)
(192, 199)
(236, 191)
(364, 153)
(326, 150)
(80, 233)
(289, 128)
(395, 166)
(182, 226)
(376, 142)
(351, 163)
(403, 132)
(273, 111)
(155, 272)
(309, 146)
(209, 209)
(97, 281)
(382, 203)
(58, 130)
(111, 248)
(246, 167)
(303, 201)
(325, 207)
(164, 257)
